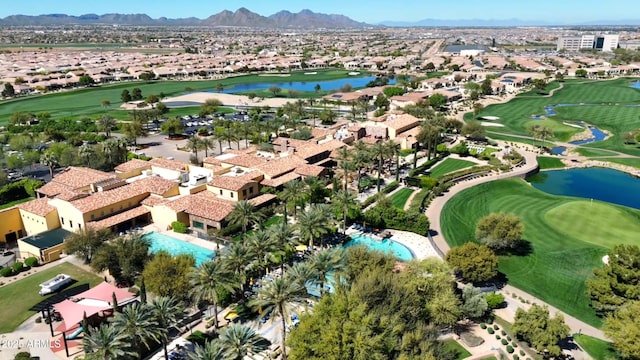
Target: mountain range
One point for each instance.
(241, 18)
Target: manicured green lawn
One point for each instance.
(400, 198)
(457, 349)
(560, 230)
(596, 348)
(593, 152)
(88, 102)
(549, 163)
(450, 165)
(623, 161)
(608, 105)
(10, 204)
(17, 298)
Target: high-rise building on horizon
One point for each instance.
(605, 43)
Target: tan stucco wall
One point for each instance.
(114, 208)
(35, 224)
(236, 195)
(11, 222)
(163, 216)
(27, 250)
(69, 216)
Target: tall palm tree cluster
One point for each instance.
(381, 156)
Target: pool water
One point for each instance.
(386, 246)
(161, 242)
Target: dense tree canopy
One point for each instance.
(616, 282)
(623, 328)
(500, 231)
(473, 262)
(541, 331)
(381, 315)
(165, 275)
(474, 130)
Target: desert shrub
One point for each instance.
(483, 326)
(503, 333)
(6, 272)
(31, 261)
(514, 344)
(504, 342)
(510, 349)
(179, 227)
(490, 330)
(22, 356)
(496, 327)
(522, 353)
(516, 357)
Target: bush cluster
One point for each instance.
(17, 267)
(490, 330)
(19, 190)
(31, 261)
(384, 217)
(179, 227)
(510, 349)
(6, 272)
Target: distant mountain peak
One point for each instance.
(242, 17)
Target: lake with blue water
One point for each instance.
(602, 184)
(327, 85)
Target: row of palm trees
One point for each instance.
(364, 156)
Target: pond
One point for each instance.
(327, 85)
(602, 184)
(596, 135)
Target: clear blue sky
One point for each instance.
(371, 11)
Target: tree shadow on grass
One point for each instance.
(523, 248)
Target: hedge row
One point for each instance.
(385, 190)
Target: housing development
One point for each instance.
(308, 186)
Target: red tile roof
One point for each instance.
(72, 179)
(262, 199)
(38, 207)
(118, 218)
(279, 166)
(310, 170)
(280, 180)
(133, 164)
(244, 160)
(229, 182)
(203, 204)
(168, 164)
(402, 121)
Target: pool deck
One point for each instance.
(418, 244)
(184, 237)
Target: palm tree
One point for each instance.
(106, 342)
(294, 191)
(261, 245)
(236, 257)
(137, 322)
(205, 281)
(194, 144)
(85, 152)
(393, 149)
(239, 341)
(328, 261)
(244, 213)
(302, 272)
(168, 312)
(108, 147)
(315, 188)
(314, 223)
(378, 151)
(284, 236)
(345, 201)
(345, 164)
(207, 144)
(280, 296)
(360, 159)
(50, 160)
(105, 124)
(211, 350)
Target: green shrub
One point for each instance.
(508, 337)
(496, 327)
(179, 227)
(522, 353)
(510, 349)
(483, 326)
(504, 342)
(17, 267)
(490, 330)
(503, 333)
(31, 261)
(6, 272)
(497, 337)
(514, 344)
(38, 320)
(516, 357)
(22, 356)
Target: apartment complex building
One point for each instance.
(605, 43)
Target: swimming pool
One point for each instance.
(161, 242)
(386, 246)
